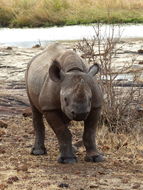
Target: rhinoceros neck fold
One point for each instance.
(75, 69)
(71, 61)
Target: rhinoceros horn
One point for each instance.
(80, 89)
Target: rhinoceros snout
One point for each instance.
(79, 116)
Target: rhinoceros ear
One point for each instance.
(55, 72)
(93, 70)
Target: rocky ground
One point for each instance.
(122, 170)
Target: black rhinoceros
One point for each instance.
(62, 88)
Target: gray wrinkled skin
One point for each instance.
(62, 88)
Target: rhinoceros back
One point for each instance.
(37, 70)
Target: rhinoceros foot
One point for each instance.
(67, 160)
(38, 151)
(94, 158)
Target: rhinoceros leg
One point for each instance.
(92, 154)
(39, 128)
(59, 126)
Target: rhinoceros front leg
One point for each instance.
(59, 126)
(92, 154)
(39, 128)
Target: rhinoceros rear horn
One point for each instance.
(55, 72)
(93, 70)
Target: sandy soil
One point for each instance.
(122, 170)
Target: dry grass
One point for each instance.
(20, 170)
(60, 12)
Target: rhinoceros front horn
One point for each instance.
(81, 81)
(55, 72)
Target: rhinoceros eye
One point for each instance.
(66, 101)
(90, 99)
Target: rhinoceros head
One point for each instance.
(75, 91)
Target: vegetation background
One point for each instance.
(42, 13)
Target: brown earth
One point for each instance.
(122, 170)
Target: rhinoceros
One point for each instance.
(61, 87)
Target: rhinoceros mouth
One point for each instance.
(78, 117)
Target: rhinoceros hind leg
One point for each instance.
(67, 160)
(95, 158)
(38, 151)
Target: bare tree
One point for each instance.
(120, 110)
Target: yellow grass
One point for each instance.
(60, 12)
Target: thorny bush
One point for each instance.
(122, 100)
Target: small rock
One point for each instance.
(136, 186)
(105, 148)
(63, 185)
(36, 46)
(2, 151)
(141, 63)
(9, 48)
(45, 184)
(101, 173)
(32, 132)
(139, 111)
(3, 124)
(25, 136)
(2, 133)
(12, 179)
(77, 172)
(93, 186)
(3, 186)
(140, 51)
(25, 177)
(79, 144)
(65, 178)
(23, 168)
(29, 188)
(27, 112)
(125, 180)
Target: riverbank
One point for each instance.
(44, 13)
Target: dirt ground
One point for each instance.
(122, 169)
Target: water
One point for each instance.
(125, 76)
(28, 37)
(120, 77)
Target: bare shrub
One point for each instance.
(122, 99)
